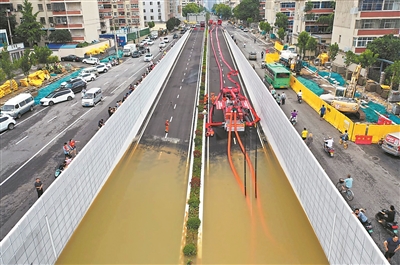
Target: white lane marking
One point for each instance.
(187, 64)
(184, 73)
(74, 104)
(104, 98)
(234, 140)
(224, 81)
(174, 108)
(106, 83)
(118, 87)
(170, 120)
(166, 135)
(55, 137)
(183, 79)
(188, 59)
(116, 75)
(51, 119)
(186, 68)
(180, 87)
(125, 70)
(21, 140)
(177, 96)
(30, 117)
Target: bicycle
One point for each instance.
(348, 193)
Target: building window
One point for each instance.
(115, 14)
(58, 7)
(158, 3)
(367, 24)
(326, 5)
(43, 20)
(366, 5)
(151, 18)
(144, 10)
(340, 38)
(391, 5)
(48, 7)
(134, 6)
(144, 3)
(362, 41)
(127, 6)
(128, 13)
(40, 7)
(51, 20)
(151, 3)
(288, 5)
(114, 6)
(120, 6)
(19, 7)
(389, 23)
(151, 11)
(316, 4)
(144, 18)
(159, 10)
(159, 17)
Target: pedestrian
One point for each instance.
(278, 99)
(109, 111)
(392, 244)
(304, 134)
(66, 149)
(262, 55)
(255, 40)
(166, 126)
(83, 92)
(309, 140)
(72, 145)
(39, 187)
(322, 111)
(101, 123)
(283, 98)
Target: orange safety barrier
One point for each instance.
(363, 139)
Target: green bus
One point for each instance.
(277, 75)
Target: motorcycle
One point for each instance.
(293, 120)
(299, 99)
(368, 226)
(329, 150)
(391, 227)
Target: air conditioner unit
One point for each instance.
(65, 23)
(51, 25)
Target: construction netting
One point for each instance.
(314, 87)
(374, 110)
(332, 77)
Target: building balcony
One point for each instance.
(376, 32)
(69, 13)
(380, 14)
(105, 10)
(68, 1)
(78, 38)
(68, 26)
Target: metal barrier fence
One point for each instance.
(342, 237)
(42, 233)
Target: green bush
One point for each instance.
(197, 141)
(193, 223)
(194, 202)
(82, 44)
(190, 250)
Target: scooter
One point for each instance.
(368, 226)
(329, 150)
(293, 120)
(391, 227)
(299, 99)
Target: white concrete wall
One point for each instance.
(342, 237)
(42, 233)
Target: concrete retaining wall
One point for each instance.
(41, 235)
(342, 237)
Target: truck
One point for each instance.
(154, 35)
(129, 49)
(219, 22)
(202, 24)
(291, 60)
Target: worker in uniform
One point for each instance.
(166, 126)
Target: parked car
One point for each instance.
(57, 96)
(18, 105)
(162, 44)
(165, 39)
(102, 68)
(150, 42)
(71, 58)
(88, 77)
(175, 36)
(91, 60)
(147, 38)
(246, 30)
(136, 54)
(143, 43)
(148, 57)
(76, 85)
(142, 50)
(6, 122)
(252, 55)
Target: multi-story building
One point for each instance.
(285, 7)
(307, 21)
(358, 22)
(262, 9)
(81, 18)
(157, 11)
(117, 14)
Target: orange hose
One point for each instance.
(239, 181)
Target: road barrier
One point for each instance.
(43, 232)
(342, 237)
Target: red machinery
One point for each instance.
(210, 22)
(219, 22)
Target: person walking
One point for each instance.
(392, 245)
(278, 99)
(322, 111)
(72, 145)
(83, 92)
(304, 134)
(283, 98)
(166, 126)
(101, 123)
(262, 54)
(109, 111)
(39, 187)
(309, 140)
(66, 149)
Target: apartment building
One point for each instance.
(262, 9)
(307, 21)
(157, 11)
(81, 18)
(285, 7)
(119, 14)
(358, 22)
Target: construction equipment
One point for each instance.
(344, 98)
(291, 60)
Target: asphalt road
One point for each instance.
(34, 148)
(376, 174)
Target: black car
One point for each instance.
(136, 54)
(142, 50)
(175, 36)
(76, 85)
(71, 58)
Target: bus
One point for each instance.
(277, 75)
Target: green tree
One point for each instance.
(190, 8)
(60, 36)
(26, 62)
(302, 42)
(393, 73)
(249, 21)
(312, 44)
(222, 10)
(281, 33)
(333, 51)
(151, 24)
(2, 75)
(349, 58)
(172, 23)
(41, 54)
(387, 47)
(281, 21)
(307, 10)
(367, 59)
(265, 26)
(7, 66)
(327, 20)
(30, 28)
(247, 9)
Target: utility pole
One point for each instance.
(115, 39)
(9, 26)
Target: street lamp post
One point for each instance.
(9, 26)
(115, 38)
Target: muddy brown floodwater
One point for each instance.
(137, 218)
(272, 229)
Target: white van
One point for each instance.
(391, 143)
(92, 97)
(89, 70)
(18, 105)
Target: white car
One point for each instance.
(147, 38)
(162, 44)
(148, 57)
(109, 66)
(143, 43)
(102, 68)
(165, 39)
(6, 122)
(57, 96)
(88, 77)
(150, 42)
(91, 60)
